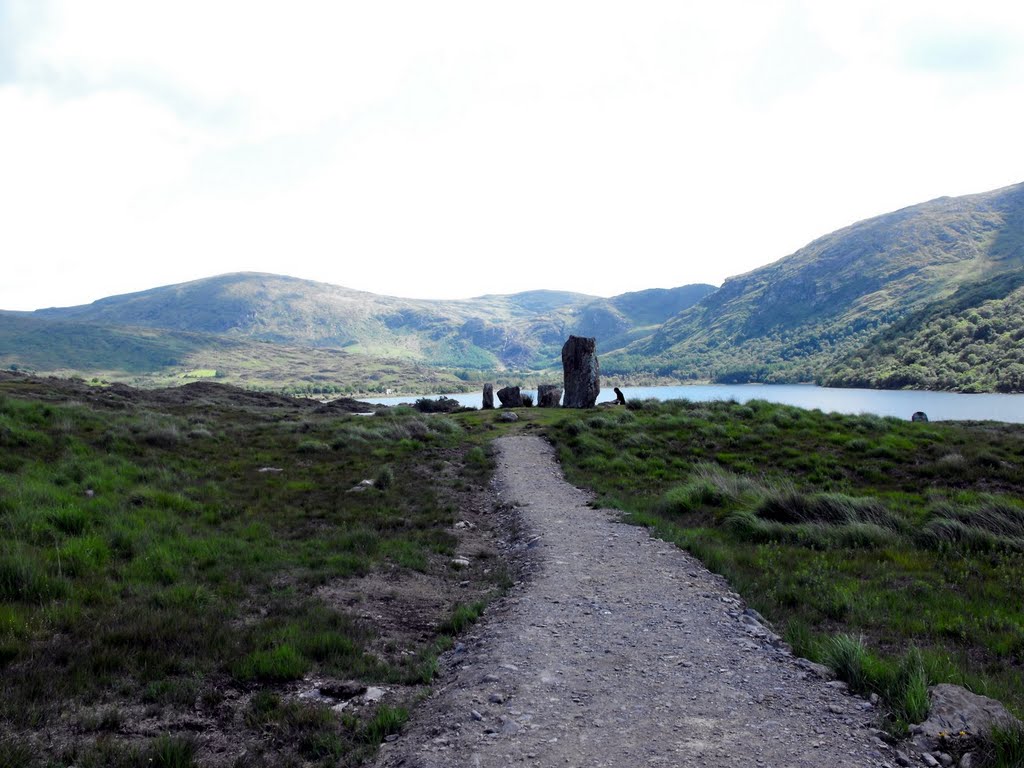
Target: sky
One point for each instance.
(451, 149)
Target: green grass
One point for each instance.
(859, 536)
(146, 561)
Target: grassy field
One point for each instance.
(893, 551)
(176, 567)
(180, 568)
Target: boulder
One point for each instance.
(549, 396)
(509, 416)
(488, 397)
(952, 709)
(510, 397)
(581, 372)
(919, 416)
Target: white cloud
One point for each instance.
(585, 146)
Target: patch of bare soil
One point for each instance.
(622, 650)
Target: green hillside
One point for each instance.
(789, 320)
(970, 342)
(155, 357)
(518, 331)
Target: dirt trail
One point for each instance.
(621, 650)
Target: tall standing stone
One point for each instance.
(549, 395)
(581, 372)
(488, 397)
(510, 397)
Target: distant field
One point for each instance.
(146, 357)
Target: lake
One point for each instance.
(940, 406)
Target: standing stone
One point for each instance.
(919, 416)
(549, 396)
(488, 397)
(510, 397)
(581, 372)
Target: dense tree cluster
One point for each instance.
(969, 343)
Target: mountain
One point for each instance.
(970, 342)
(148, 356)
(791, 320)
(495, 332)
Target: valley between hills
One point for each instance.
(927, 297)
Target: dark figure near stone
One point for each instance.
(488, 397)
(510, 397)
(919, 416)
(620, 399)
(581, 372)
(549, 396)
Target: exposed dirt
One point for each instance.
(621, 650)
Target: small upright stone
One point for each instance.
(488, 396)
(581, 372)
(919, 416)
(510, 397)
(549, 396)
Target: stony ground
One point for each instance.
(621, 650)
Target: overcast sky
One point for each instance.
(449, 149)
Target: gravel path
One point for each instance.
(621, 650)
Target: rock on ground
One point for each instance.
(952, 709)
(510, 397)
(622, 650)
(549, 395)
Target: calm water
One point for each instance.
(900, 403)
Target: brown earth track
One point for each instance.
(621, 650)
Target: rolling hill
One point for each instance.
(928, 296)
(794, 319)
(157, 357)
(495, 332)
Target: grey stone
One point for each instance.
(510, 397)
(581, 372)
(549, 396)
(475, 715)
(510, 416)
(929, 760)
(953, 709)
(488, 397)
(919, 416)
(496, 698)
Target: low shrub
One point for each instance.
(386, 721)
(441, 405)
(279, 664)
(462, 617)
